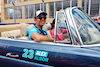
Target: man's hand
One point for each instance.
(37, 39)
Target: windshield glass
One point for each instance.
(87, 30)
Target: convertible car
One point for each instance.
(80, 47)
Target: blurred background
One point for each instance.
(23, 11)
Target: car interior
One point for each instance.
(19, 31)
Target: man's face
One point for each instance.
(40, 20)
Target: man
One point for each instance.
(37, 33)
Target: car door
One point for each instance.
(14, 52)
(30, 53)
(27, 53)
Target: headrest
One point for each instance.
(24, 30)
(11, 27)
(47, 26)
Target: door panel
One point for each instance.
(50, 55)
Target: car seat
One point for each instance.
(48, 28)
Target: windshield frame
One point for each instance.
(67, 42)
(93, 23)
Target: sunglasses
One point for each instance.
(41, 17)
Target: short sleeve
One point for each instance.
(31, 30)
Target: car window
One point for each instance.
(88, 32)
(62, 31)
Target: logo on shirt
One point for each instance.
(43, 32)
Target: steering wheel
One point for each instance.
(83, 30)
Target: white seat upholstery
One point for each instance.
(21, 31)
(24, 32)
(12, 33)
(48, 28)
(49, 35)
(23, 37)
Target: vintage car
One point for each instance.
(81, 47)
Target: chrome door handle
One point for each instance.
(10, 55)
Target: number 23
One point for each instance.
(28, 53)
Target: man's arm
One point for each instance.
(38, 37)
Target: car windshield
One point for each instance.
(88, 31)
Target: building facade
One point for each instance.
(23, 11)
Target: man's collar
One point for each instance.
(37, 27)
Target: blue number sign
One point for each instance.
(28, 53)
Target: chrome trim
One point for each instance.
(95, 45)
(67, 25)
(50, 43)
(59, 12)
(41, 42)
(75, 25)
(69, 20)
(10, 55)
(55, 27)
